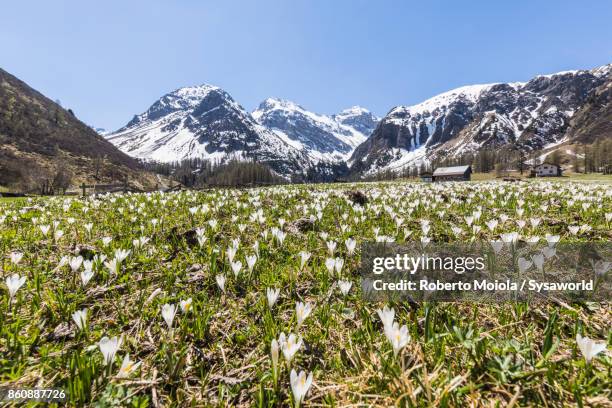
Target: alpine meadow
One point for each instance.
(249, 297)
(305, 204)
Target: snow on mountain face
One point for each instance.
(358, 118)
(204, 122)
(323, 137)
(531, 115)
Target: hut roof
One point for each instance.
(451, 171)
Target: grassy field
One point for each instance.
(172, 306)
(578, 177)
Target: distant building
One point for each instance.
(426, 177)
(547, 170)
(457, 173)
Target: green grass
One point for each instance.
(8, 200)
(217, 354)
(579, 177)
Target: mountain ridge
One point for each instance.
(530, 115)
(38, 138)
(204, 122)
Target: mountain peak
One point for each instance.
(468, 93)
(354, 110)
(270, 104)
(188, 96)
(196, 90)
(325, 137)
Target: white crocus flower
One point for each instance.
(272, 296)
(221, 282)
(387, 315)
(186, 305)
(127, 367)
(86, 276)
(330, 264)
(44, 229)
(469, 220)
(88, 265)
(274, 349)
(497, 246)
(80, 318)
(122, 254)
(250, 260)
(351, 244)
(509, 238)
(524, 264)
(398, 337)
(113, 266)
(213, 224)
(338, 264)
(601, 267)
(13, 283)
(75, 263)
(231, 253)
(16, 257)
(289, 345)
(302, 311)
(331, 247)
(345, 286)
(304, 257)
(538, 261)
(299, 386)
(552, 239)
(109, 348)
(549, 252)
(280, 237)
(491, 224)
(236, 267)
(589, 348)
(140, 242)
(168, 312)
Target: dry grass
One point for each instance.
(217, 354)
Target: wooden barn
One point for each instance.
(456, 173)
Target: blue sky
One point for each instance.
(108, 60)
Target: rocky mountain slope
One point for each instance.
(38, 137)
(205, 122)
(543, 112)
(322, 137)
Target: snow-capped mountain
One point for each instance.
(205, 122)
(324, 137)
(358, 118)
(532, 115)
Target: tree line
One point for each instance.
(581, 158)
(203, 173)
